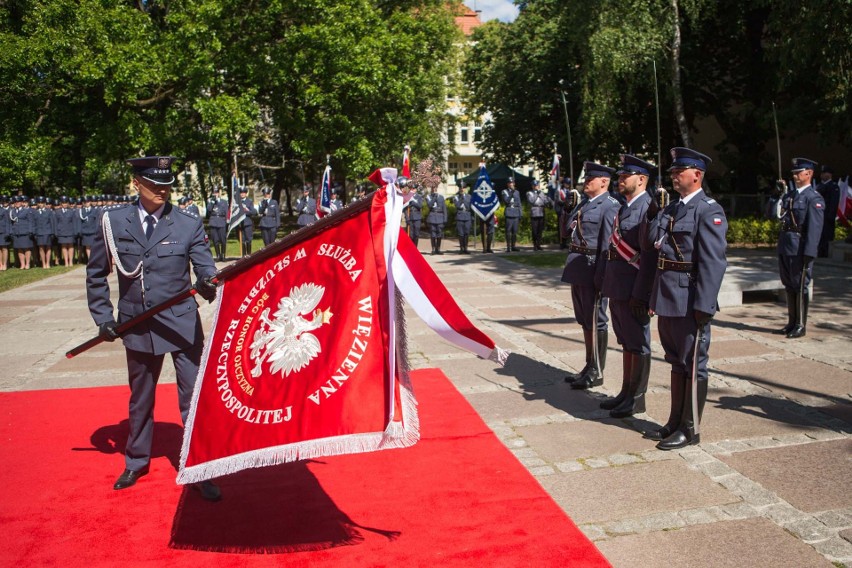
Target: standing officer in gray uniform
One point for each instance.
(414, 215)
(247, 225)
(45, 230)
(538, 201)
(191, 206)
(89, 216)
(461, 200)
(67, 226)
(629, 269)
(512, 212)
(306, 207)
(690, 238)
(591, 227)
(23, 230)
(5, 232)
(217, 224)
(270, 217)
(152, 244)
(437, 218)
(802, 218)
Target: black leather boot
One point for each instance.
(461, 245)
(488, 241)
(610, 403)
(594, 378)
(799, 329)
(433, 244)
(438, 245)
(678, 385)
(686, 435)
(587, 339)
(634, 402)
(792, 313)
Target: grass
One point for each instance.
(15, 277)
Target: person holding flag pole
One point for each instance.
(336, 288)
(485, 203)
(323, 205)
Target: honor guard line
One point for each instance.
(238, 267)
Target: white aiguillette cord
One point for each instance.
(110, 241)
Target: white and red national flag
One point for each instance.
(306, 357)
(554, 170)
(406, 165)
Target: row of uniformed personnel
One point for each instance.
(643, 260)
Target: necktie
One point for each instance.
(150, 220)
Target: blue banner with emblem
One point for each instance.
(483, 198)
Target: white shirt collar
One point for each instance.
(157, 214)
(637, 196)
(689, 197)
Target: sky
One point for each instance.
(503, 10)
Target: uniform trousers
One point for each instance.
(218, 234)
(537, 226)
(414, 229)
(143, 371)
(268, 235)
(583, 298)
(436, 230)
(790, 268)
(677, 335)
(512, 227)
(632, 335)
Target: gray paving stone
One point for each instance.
(730, 544)
(809, 529)
(812, 477)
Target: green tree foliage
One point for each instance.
(84, 85)
(736, 58)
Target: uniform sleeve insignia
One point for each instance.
(717, 221)
(818, 205)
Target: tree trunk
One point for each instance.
(680, 114)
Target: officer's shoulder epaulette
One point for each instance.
(188, 213)
(118, 206)
(709, 200)
(613, 200)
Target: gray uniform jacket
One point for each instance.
(217, 212)
(270, 214)
(698, 229)
(178, 238)
(592, 228)
(802, 217)
(512, 201)
(622, 280)
(538, 201)
(306, 207)
(462, 204)
(413, 209)
(437, 209)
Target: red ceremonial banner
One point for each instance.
(307, 356)
(296, 365)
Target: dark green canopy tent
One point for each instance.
(500, 175)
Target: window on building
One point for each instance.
(464, 135)
(450, 137)
(477, 133)
(468, 166)
(453, 167)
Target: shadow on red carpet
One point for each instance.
(456, 498)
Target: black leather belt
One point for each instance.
(791, 230)
(582, 250)
(612, 254)
(665, 264)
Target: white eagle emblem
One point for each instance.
(286, 342)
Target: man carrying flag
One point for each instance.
(485, 203)
(151, 244)
(323, 206)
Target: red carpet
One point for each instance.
(457, 498)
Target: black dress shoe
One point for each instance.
(129, 477)
(209, 491)
(797, 331)
(679, 439)
(591, 379)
